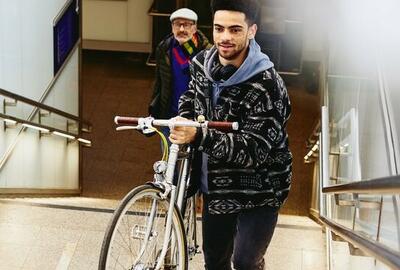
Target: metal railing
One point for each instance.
(82, 125)
(385, 185)
(373, 248)
(85, 125)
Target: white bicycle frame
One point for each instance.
(171, 188)
(166, 182)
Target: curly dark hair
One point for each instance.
(251, 8)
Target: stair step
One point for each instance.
(355, 251)
(337, 238)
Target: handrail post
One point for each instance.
(325, 205)
(6, 103)
(324, 158)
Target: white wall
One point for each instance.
(389, 60)
(26, 68)
(117, 20)
(364, 36)
(314, 17)
(311, 13)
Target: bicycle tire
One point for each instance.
(189, 221)
(125, 221)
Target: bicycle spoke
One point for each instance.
(129, 228)
(117, 262)
(138, 235)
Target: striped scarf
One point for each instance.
(181, 55)
(186, 51)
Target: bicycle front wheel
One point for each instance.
(135, 235)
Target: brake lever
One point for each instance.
(128, 128)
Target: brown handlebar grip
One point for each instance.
(124, 120)
(223, 126)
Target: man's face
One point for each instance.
(183, 29)
(231, 33)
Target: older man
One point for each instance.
(173, 56)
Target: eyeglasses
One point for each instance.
(186, 25)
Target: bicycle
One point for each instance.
(154, 226)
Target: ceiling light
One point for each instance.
(84, 141)
(9, 121)
(64, 135)
(36, 127)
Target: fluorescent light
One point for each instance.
(315, 148)
(84, 141)
(9, 121)
(36, 127)
(64, 135)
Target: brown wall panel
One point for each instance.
(115, 84)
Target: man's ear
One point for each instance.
(252, 31)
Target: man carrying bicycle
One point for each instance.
(244, 176)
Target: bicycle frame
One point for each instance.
(165, 178)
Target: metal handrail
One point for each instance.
(45, 107)
(314, 134)
(384, 185)
(50, 129)
(373, 248)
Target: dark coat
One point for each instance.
(251, 167)
(162, 91)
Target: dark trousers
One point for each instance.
(246, 235)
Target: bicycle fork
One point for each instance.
(168, 188)
(149, 228)
(169, 175)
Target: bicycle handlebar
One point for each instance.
(125, 120)
(218, 125)
(223, 126)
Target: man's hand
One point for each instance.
(182, 135)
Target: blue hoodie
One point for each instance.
(255, 63)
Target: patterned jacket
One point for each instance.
(162, 91)
(251, 167)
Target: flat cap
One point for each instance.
(184, 13)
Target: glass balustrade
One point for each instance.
(362, 95)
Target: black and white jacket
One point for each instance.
(251, 167)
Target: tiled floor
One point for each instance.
(41, 234)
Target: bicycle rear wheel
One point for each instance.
(189, 221)
(135, 234)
